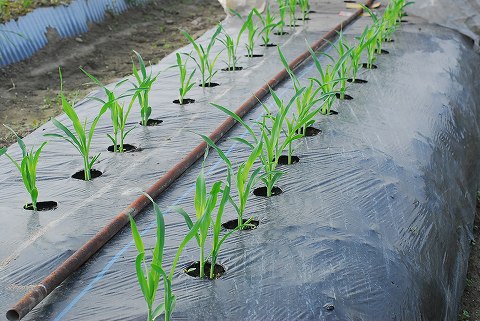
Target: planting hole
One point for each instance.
(294, 26)
(403, 21)
(357, 81)
(303, 19)
(329, 307)
(254, 56)
(81, 174)
(42, 206)
(268, 45)
(388, 40)
(312, 11)
(310, 131)
(262, 191)
(232, 224)
(349, 1)
(127, 148)
(345, 96)
(283, 160)
(366, 66)
(331, 112)
(280, 33)
(232, 69)
(186, 101)
(210, 85)
(153, 122)
(194, 270)
(385, 52)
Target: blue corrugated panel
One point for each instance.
(20, 39)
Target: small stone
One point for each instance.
(79, 40)
(329, 307)
(169, 22)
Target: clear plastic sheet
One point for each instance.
(375, 220)
(460, 15)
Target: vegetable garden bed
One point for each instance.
(373, 222)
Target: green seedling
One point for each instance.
(269, 138)
(292, 11)
(205, 204)
(27, 167)
(329, 79)
(149, 276)
(305, 8)
(118, 113)
(342, 48)
(305, 101)
(268, 24)
(143, 87)
(204, 61)
(231, 46)
(282, 11)
(82, 138)
(356, 52)
(252, 30)
(377, 32)
(245, 180)
(186, 83)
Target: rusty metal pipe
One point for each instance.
(40, 291)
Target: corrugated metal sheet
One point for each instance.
(20, 39)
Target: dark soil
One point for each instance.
(81, 174)
(283, 160)
(194, 270)
(42, 206)
(470, 307)
(29, 89)
(262, 191)
(311, 131)
(233, 224)
(127, 148)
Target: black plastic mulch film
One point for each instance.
(374, 223)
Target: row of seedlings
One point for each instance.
(277, 131)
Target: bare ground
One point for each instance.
(29, 90)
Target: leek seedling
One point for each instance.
(82, 138)
(143, 87)
(268, 24)
(186, 83)
(205, 63)
(27, 167)
(292, 11)
(305, 7)
(244, 180)
(252, 29)
(328, 81)
(149, 277)
(282, 11)
(118, 113)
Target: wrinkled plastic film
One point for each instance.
(374, 220)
